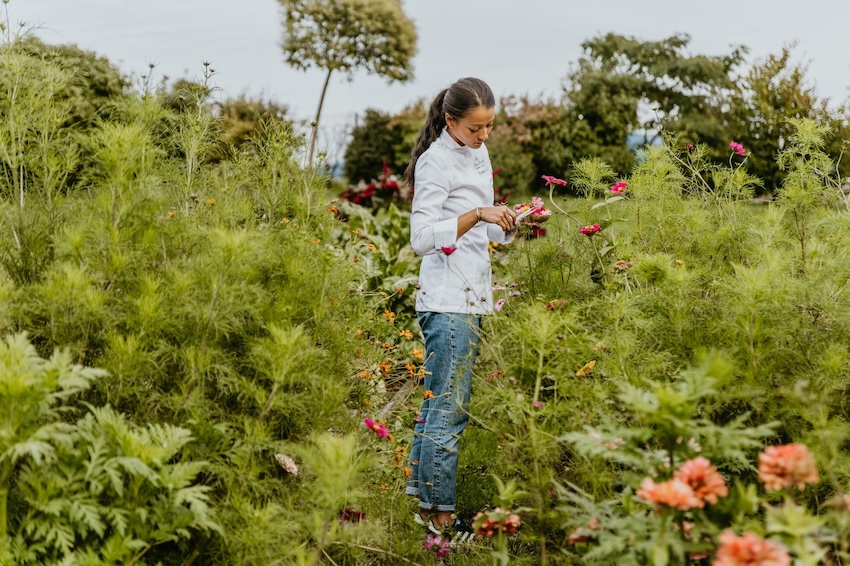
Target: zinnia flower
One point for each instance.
(674, 493)
(787, 465)
(619, 188)
(590, 230)
(378, 428)
(449, 250)
(552, 181)
(287, 463)
(738, 148)
(703, 478)
(537, 203)
(749, 549)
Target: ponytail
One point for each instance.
(429, 132)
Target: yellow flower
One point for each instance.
(210, 202)
(170, 214)
(389, 315)
(679, 262)
(315, 242)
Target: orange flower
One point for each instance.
(365, 374)
(389, 315)
(703, 479)
(371, 248)
(787, 465)
(407, 472)
(171, 214)
(411, 369)
(398, 458)
(385, 368)
(399, 291)
(210, 202)
(334, 210)
(674, 493)
(428, 394)
(417, 353)
(315, 242)
(356, 260)
(406, 334)
(749, 549)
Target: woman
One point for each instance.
(452, 222)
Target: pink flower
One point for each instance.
(538, 405)
(552, 181)
(437, 545)
(674, 493)
(499, 304)
(449, 250)
(619, 187)
(787, 465)
(378, 428)
(537, 203)
(738, 148)
(703, 479)
(749, 549)
(590, 230)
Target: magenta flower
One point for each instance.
(738, 148)
(449, 250)
(378, 428)
(536, 203)
(590, 230)
(619, 187)
(538, 405)
(437, 545)
(552, 181)
(499, 304)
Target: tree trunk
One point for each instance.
(315, 133)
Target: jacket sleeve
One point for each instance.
(496, 234)
(429, 231)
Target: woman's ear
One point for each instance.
(449, 121)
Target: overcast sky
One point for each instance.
(518, 46)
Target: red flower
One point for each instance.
(552, 181)
(449, 250)
(590, 230)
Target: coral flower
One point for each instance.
(738, 148)
(590, 229)
(378, 428)
(703, 479)
(674, 493)
(619, 188)
(749, 549)
(787, 465)
(552, 181)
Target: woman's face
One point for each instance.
(473, 128)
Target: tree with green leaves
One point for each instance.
(345, 36)
(623, 84)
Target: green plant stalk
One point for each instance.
(532, 429)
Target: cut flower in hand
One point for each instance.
(535, 210)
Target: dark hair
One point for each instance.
(464, 95)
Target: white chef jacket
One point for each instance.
(450, 180)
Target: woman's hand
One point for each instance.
(503, 216)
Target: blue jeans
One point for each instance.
(451, 345)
